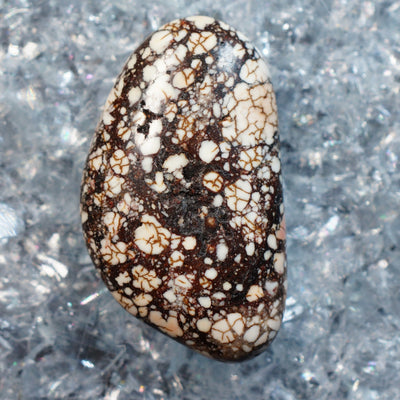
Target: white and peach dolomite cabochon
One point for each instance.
(181, 197)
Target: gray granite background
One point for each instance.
(336, 69)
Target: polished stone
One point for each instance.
(181, 197)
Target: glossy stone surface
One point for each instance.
(181, 196)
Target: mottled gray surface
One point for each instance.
(336, 71)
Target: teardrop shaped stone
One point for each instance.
(181, 198)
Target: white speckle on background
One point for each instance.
(10, 224)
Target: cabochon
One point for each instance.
(181, 198)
